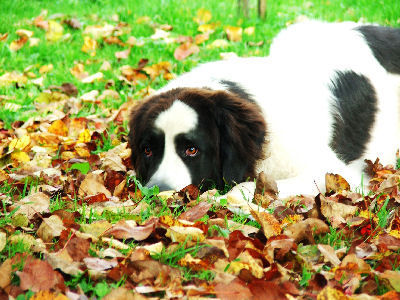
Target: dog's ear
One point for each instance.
(242, 130)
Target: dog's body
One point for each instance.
(324, 100)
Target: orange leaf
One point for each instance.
(185, 50)
(18, 44)
(58, 127)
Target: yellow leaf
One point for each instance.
(203, 16)
(84, 136)
(233, 33)
(58, 127)
(218, 44)
(249, 30)
(89, 46)
(78, 70)
(55, 31)
(12, 77)
(20, 156)
(143, 20)
(46, 69)
(207, 28)
(20, 144)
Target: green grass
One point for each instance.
(19, 14)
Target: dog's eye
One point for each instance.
(147, 151)
(191, 151)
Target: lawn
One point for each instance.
(75, 221)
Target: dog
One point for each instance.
(324, 100)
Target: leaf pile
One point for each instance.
(76, 223)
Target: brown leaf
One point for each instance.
(306, 229)
(196, 212)
(122, 293)
(336, 212)
(63, 261)
(50, 228)
(123, 54)
(329, 253)
(93, 184)
(236, 289)
(123, 230)
(184, 50)
(336, 183)
(5, 273)
(190, 192)
(73, 23)
(269, 224)
(37, 275)
(78, 248)
(267, 290)
(34, 203)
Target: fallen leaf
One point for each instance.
(203, 16)
(37, 275)
(93, 184)
(329, 253)
(196, 212)
(218, 44)
(306, 229)
(18, 44)
(58, 127)
(269, 224)
(336, 183)
(78, 70)
(123, 54)
(97, 32)
(5, 273)
(92, 78)
(184, 50)
(89, 45)
(233, 33)
(55, 31)
(124, 230)
(63, 261)
(50, 228)
(34, 203)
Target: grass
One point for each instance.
(19, 14)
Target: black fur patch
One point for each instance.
(354, 114)
(235, 88)
(385, 44)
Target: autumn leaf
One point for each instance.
(89, 46)
(203, 16)
(185, 50)
(37, 275)
(233, 33)
(54, 32)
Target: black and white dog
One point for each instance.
(324, 100)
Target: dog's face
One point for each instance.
(195, 136)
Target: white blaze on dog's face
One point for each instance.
(172, 171)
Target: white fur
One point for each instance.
(292, 89)
(179, 118)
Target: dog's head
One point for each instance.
(195, 136)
